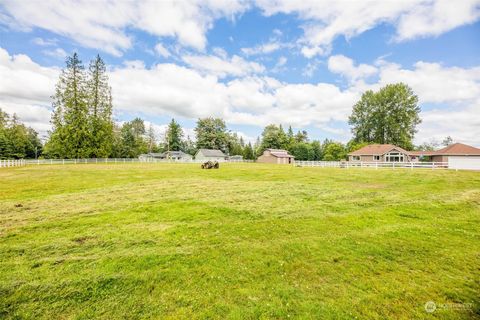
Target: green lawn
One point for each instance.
(248, 241)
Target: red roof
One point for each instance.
(376, 149)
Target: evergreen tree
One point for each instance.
(174, 136)
(71, 136)
(248, 152)
(100, 109)
(317, 150)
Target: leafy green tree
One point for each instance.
(273, 137)
(132, 142)
(100, 109)
(447, 141)
(174, 136)
(334, 151)
(17, 141)
(390, 115)
(189, 146)
(212, 134)
(352, 145)
(303, 151)
(71, 137)
(235, 144)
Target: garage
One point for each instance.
(464, 162)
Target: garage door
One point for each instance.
(469, 163)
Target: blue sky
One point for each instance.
(251, 63)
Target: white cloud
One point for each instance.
(44, 42)
(162, 51)
(222, 66)
(57, 53)
(103, 24)
(324, 21)
(346, 67)
(265, 48)
(172, 90)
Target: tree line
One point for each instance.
(83, 127)
(17, 141)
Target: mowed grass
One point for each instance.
(248, 241)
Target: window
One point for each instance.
(376, 158)
(356, 158)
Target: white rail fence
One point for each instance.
(375, 165)
(12, 163)
(116, 160)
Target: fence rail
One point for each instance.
(116, 160)
(375, 165)
(12, 163)
(323, 164)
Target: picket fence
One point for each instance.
(12, 163)
(375, 165)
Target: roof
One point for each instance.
(175, 154)
(376, 149)
(458, 149)
(211, 153)
(280, 153)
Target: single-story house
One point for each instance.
(457, 155)
(381, 153)
(236, 158)
(210, 155)
(176, 155)
(278, 156)
(171, 155)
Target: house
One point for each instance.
(278, 156)
(236, 158)
(210, 154)
(167, 155)
(176, 155)
(381, 153)
(457, 155)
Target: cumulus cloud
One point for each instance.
(325, 21)
(162, 51)
(103, 24)
(221, 66)
(171, 90)
(346, 67)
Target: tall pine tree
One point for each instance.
(71, 136)
(100, 109)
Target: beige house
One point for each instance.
(381, 153)
(277, 156)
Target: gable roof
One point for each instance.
(280, 153)
(211, 152)
(376, 149)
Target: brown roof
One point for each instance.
(376, 149)
(280, 153)
(458, 149)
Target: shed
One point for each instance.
(278, 156)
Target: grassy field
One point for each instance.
(248, 241)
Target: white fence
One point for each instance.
(116, 160)
(12, 163)
(375, 165)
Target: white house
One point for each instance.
(210, 154)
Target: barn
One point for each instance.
(278, 156)
(210, 155)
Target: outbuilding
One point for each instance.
(210, 155)
(278, 156)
